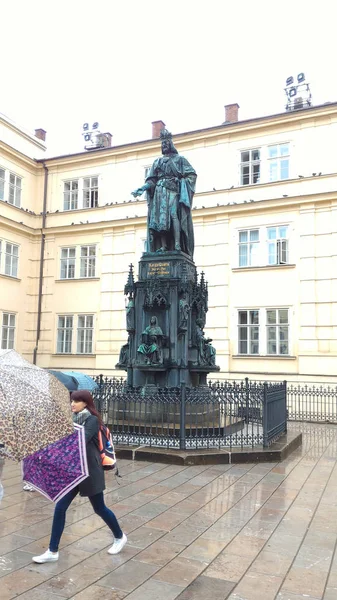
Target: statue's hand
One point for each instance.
(138, 192)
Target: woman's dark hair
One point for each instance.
(85, 396)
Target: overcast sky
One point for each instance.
(127, 63)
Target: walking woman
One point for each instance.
(85, 413)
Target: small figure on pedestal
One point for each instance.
(206, 352)
(184, 310)
(151, 346)
(124, 355)
(130, 314)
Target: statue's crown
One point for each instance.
(165, 135)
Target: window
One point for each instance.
(70, 193)
(90, 192)
(250, 167)
(78, 262)
(88, 261)
(263, 332)
(248, 247)
(278, 159)
(66, 338)
(14, 196)
(8, 331)
(277, 240)
(11, 259)
(248, 332)
(85, 330)
(2, 184)
(277, 331)
(68, 263)
(80, 193)
(64, 334)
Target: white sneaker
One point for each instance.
(118, 545)
(46, 557)
(28, 488)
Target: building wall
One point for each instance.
(306, 286)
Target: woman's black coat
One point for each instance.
(95, 483)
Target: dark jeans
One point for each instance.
(99, 507)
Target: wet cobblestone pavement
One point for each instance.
(239, 532)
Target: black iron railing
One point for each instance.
(222, 415)
(312, 403)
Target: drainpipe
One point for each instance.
(43, 241)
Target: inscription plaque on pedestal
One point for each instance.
(158, 269)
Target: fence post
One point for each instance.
(265, 415)
(182, 416)
(247, 400)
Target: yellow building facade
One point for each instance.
(265, 221)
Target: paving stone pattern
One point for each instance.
(239, 532)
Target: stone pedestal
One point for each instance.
(164, 344)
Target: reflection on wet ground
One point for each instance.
(263, 531)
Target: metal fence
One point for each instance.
(221, 415)
(312, 403)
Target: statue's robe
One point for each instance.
(172, 185)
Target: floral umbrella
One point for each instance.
(57, 469)
(34, 407)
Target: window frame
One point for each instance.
(88, 261)
(249, 326)
(72, 192)
(251, 163)
(14, 189)
(10, 344)
(87, 331)
(278, 160)
(73, 331)
(278, 325)
(91, 190)
(65, 262)
(63, 331)
(281, 244)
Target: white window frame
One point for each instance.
(2, 183)
(277, 326)
(266, 251)
(278, 165)
(277, 332)
(251, 164)
(64, 342)
(88, 261)
(11, 259)
(8, 330)
(83, 193)
(85, 334)
(278, 246)
(68, 263)
(90, 191)
(75, 331)
(252, 328)
(71, 195)
(74, 264)
(14, 190)
(251, 246)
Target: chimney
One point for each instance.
(157, 126)
(41, 134)
(106, 139)
(232, 113)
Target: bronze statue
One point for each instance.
(170, 188)
(151, 346)
(183, 312)
(206, 352)
(130, 315)
(124, 355)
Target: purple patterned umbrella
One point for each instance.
(58, 468)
